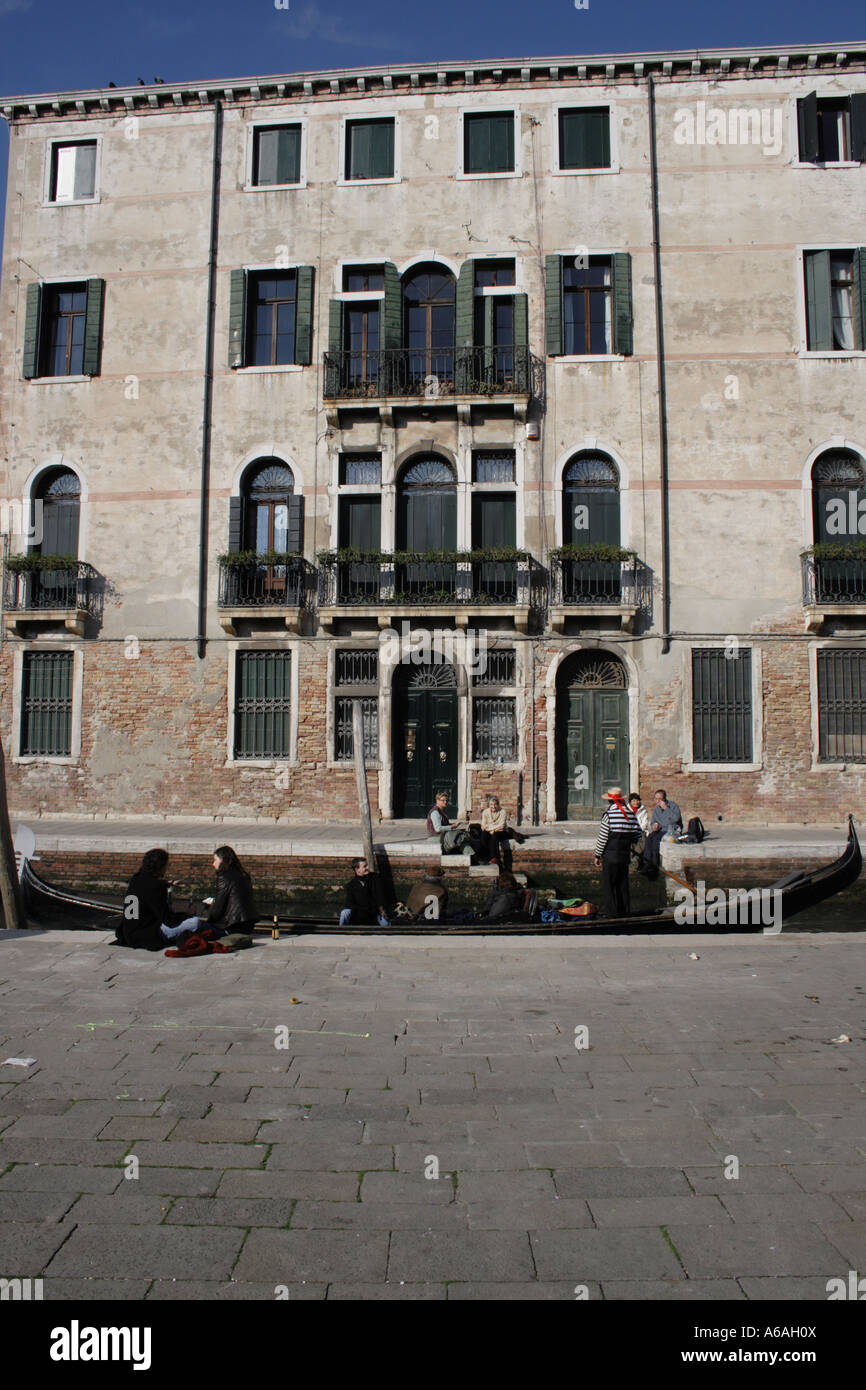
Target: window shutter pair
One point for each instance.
(623, 315)
(819, 302)
(294, 525)
(304, 311)
(33, 325)
(807, 125)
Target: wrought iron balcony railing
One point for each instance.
(458, 579)
(252, 585)
(620, 583)
(836, 581)
(465, 371)
(68, 589)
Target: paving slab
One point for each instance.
(761, 1248)
(638, 1253)
(321, 1256)
(151, 1252)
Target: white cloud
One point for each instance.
(10, 6)
(308, 21)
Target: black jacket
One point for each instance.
(145, 909)
(233, 905)
(366, 899)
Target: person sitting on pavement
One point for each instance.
(437, 821)
(148, 921)
(428, 900)
(454, 838)
(495, 843)
(504, 900)
(617, 833)
(666, 822)
(640, 811)
(365, 900)
(233, 908)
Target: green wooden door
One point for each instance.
(425, 750)
(593, 754)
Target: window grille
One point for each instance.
(499, 668)
(494, 467)
(842, 705)
(262, 704)
(495, 730)
(357, 667)
(343, 728)
(46, 706)
(358, 468)
(722, 706)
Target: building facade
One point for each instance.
(523, 403)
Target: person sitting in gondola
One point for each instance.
(504, 900)
(148, 921)
(428, 900)
(365, 899)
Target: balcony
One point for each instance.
(598, 582)
(272, 586)
(472, 584)
(510, 375)
(49, 589)
(834, 583)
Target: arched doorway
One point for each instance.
(59, 491)
(266, 489)
(592, 748)
(429, 299)
(425, 736)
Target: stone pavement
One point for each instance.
(313, 1166)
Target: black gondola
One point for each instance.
(57, 907)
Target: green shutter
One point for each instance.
(553, 304)
(93, 327)
(623, 317)
(502, 143)
(807, 114)
(237, 318)
(819, 309)
(858, 126)
(494, 520)
(464, 308)
(295, 525)
(392, 309)
(304, 323)
(521, 320)
(32, 328)
(584, 138)
(289, 155)
(382, 150)
(335, 325)
(860, 295)
(85, 171)
(267, 152)
(236, 522)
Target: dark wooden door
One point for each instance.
(425, 750)
(593, 753)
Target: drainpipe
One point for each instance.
(207, 401)
(660, 369)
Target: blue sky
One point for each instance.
(52, 45)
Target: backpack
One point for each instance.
(695, 832)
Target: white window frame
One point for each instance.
(586, 105)
(261, 645)
(757, 763)
(515, 173)
(803, 351)
(335, 692)
(275, 366)
(396, 177)
(571, 357)
(796, 161)
(817, 766)
(59, 142)
(517, 692)
(249, 155)
(54, 643)
(59, 280)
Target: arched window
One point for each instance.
(590, 500)
(838, 497)
(267, 488)
(59, 491)
(429, 324)
(427, 510)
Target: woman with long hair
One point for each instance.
(233, 908)
(148, 921)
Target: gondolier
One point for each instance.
(617, 833)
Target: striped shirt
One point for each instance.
(616, 822)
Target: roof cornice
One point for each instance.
(676, 65)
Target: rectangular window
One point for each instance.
(493, 273)
(832, 130)
(65, 318)
(262, 704)
(370, 149)
(488, 143)
(498, 667)
(722, 706)
(835, 300)
(273, 302)
(360, 278)
(46, 704)
(358, 669)
(493, 467)
(842, 705)
(587, 306)
(276, 155)
(360, 468)
(73, 171)
(584, 138)
(495, 730)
